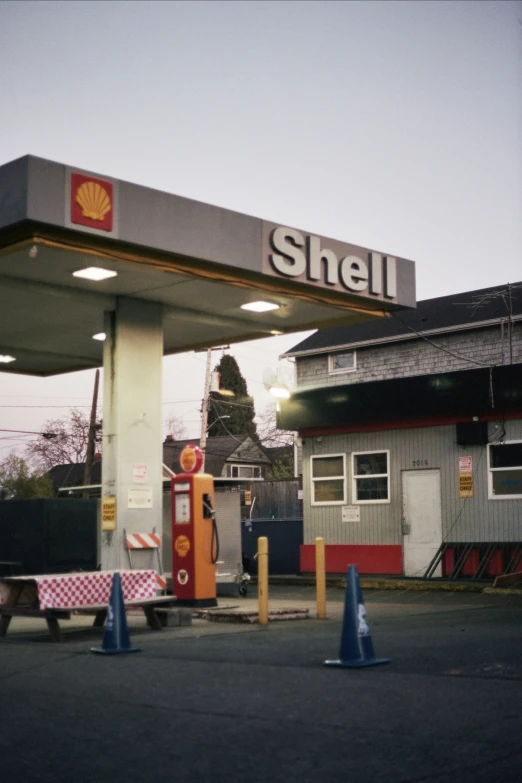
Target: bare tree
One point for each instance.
(175, 427)
(62, 441)
(277, 444)
(268, 433)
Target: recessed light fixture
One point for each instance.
(260, 307)
(95, 273)
(5, 358)
(100, 336)
(275, 331)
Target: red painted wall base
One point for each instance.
(369, 559)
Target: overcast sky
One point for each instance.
(392, 125)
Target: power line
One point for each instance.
(174, 402)
(45, 406)
(30, 432)
(440, 347)
(237, 404)
(99, 407)
(44, 397)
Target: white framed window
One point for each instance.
(328, 483)
(244, 471)
(505, 470)
(371, 476)
(341, 361)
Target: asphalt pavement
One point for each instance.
(237, 701)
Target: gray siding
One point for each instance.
(416, 357)
(471, 519)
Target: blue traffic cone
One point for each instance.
(356, 642)
(116, 637)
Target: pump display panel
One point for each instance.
(183, 509)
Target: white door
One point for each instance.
(422, 520)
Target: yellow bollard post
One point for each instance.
(262, 579)
(320, 578)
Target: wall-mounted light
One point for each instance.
(96, 273)
(280, 391)
(273, 383)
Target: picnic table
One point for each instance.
(55, 597)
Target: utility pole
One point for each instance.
(204, 409)
(206, 401)
(89, 459)
(510, 309)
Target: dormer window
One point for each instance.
(341, 361)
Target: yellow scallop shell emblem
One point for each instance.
(94, 200)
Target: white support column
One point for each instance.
(132, 424)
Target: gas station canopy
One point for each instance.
(201, 263)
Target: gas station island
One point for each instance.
(100, 272)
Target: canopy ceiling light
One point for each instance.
(260, 307)
(5, 358)
(101, 336)
(96, 273)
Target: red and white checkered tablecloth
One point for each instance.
(59, 591)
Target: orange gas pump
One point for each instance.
(195, 543)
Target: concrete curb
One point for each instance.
(502, 590)
(369, 583)
(451, 587)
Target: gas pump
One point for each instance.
(195, 543)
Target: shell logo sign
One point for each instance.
(92, 202)
(191, 459)
(182, 546)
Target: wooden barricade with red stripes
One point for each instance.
(142, 541)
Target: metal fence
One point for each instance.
(285, 536)
(275, 500)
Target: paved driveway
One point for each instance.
(218, 702)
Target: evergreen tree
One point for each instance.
(231, 415)
(16, 480)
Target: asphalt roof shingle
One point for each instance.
(443, 312)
